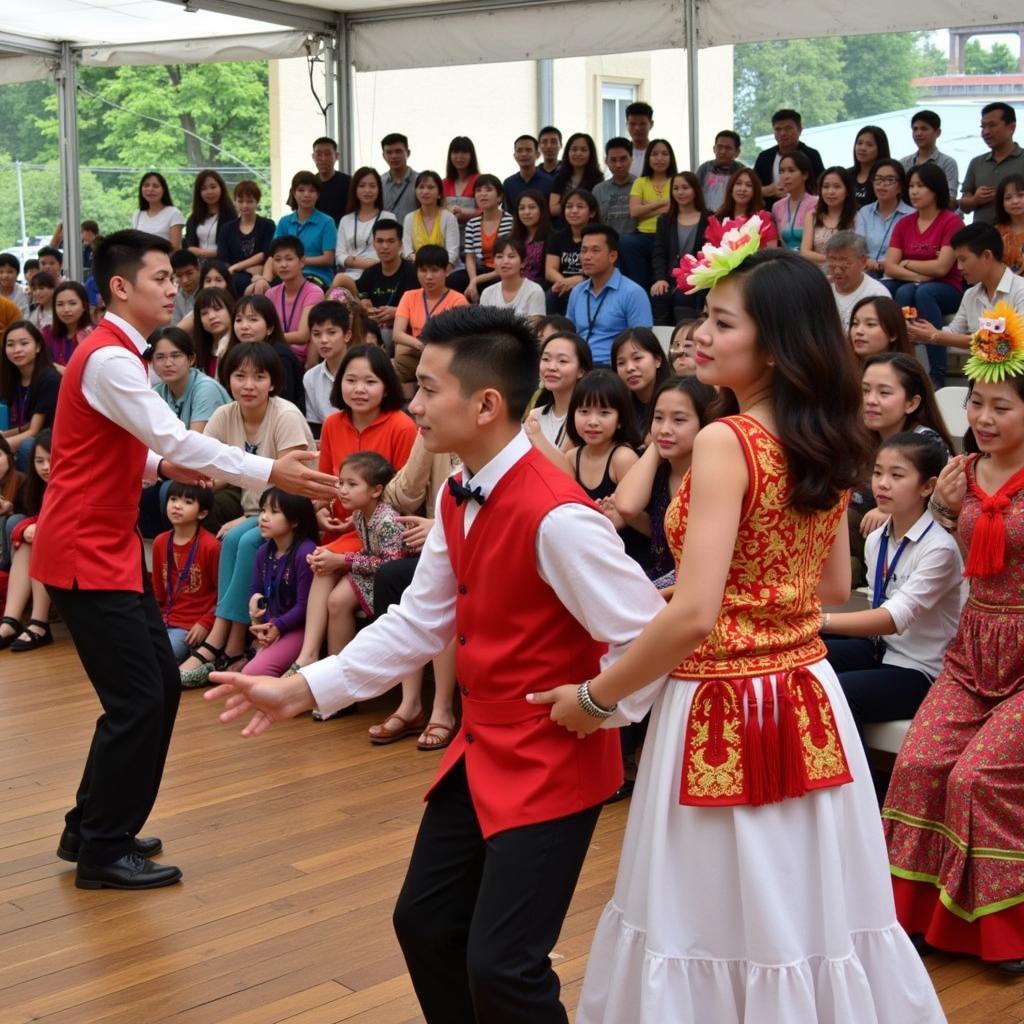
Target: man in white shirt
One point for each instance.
(847, 258)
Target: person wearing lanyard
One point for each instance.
(876, 220)
(287, 256)
(887, 657)
(606, 303)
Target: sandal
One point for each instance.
(436, 736)
(195, 678)
(32, 639)
(15, 624)
(383, 735)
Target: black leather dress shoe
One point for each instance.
(130, 872)
(70, 843)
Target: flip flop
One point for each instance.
(384, 735)
(444, 734)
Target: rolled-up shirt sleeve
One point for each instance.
(924, 588)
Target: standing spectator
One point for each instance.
(89, 232)
(334, 185)
(639, 122)
(10, 267)
(612, 194)
(1010, 220)
(846, 260)
(606, 302)
(550, 144)
(317, 232)
(531, 224)
(529, 175)
(157, 214)
(461, 170)
(185, 265)
(787, 126)
(212, 209)
(244, 243)
(797, 181)
(876, 220)
(579, 169)
(870, 146)
(985, 172)
(926, 127)
(399, 190)
(649, 199)
(714, 175)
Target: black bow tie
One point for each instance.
(460, 492)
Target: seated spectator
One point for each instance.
(875, 222)
(921, 260)
(382, 286)
(531, 224)
(870, 146)
(554, 323)
(11, 492)
(787, 126)
(419, 305)
(41, 291)
(998, 123)
(680, 232)
(562, 253)
(185, 265)
(430, 223)
(460, 173)
(979, 256)
(244, 243)
(10, 267)
(28, 387)
(256, 320)
(482, 232)
(564, 358)
(31, 269)
(714, 175)
(549, 142)
(613, 193)
(157, 213)
(214, 274)
(836, 210)
(294, 296)
(529, 175)
(313, 228)
(926, 127)
(72, 323)
(512, 290)
(878, 325)
(606, 302)
(579, 168)
(649, 199)
(639, 360)
(365, 210)
(334, 184)
(399, 190)
(682, 348)
(846, 260)
(184, 574)
(742, 201)
(212, 210)
(212, 318)
(639, 124)
(330, 334)
(797, 182)
(1010, 220)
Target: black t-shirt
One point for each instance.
(39, 398)
(384, 290)
(562, 245)
(334, 196)
(291, 384)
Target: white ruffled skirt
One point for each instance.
(780, 914)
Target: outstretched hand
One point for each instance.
(293, 476)
(566, 711)
(269, 699)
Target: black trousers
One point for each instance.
(390, 582)
(122, 643)
(477, 919)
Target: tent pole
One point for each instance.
(343, 88)
(66, 75)
(330, 59)
(692, 81)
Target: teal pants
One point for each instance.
(234, 576)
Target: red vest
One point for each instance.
(87, 529)
(513, 636)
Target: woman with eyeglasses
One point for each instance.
(876, 220)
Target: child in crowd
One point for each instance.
(531, 224)
(419, 305)
(243, 244)
(344, 580)
(1010, 220)
(878, 325)
(281, 580)
(71, 325)
(796, 179)
(212, 319)
(22, 590)
(682, 349)
(640, 362)
(28, 386)
(887, 657)
(11, 483)
(9, 287)
(41, 289)
(185, 265)
(157, 213)
(512, 290)
(294, 296)
(562, 254)
(185, 561)
(482, 233)
(31, 269)
(836, 210)
(679, 232)
(212, 210)
(330, 335)
(430, 223)
(256, 320)
(564, 358)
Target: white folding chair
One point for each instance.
(664, 336)
(952, 403)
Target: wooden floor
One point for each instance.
(293, 847)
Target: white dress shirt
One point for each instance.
(923, 596)
(116, 385)
(976, 301)
(579, 555)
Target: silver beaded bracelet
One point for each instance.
(589, 706)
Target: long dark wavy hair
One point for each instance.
(816, 395)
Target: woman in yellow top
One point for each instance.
(430, 223)
(648, 200)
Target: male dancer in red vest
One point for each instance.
(531, 580)
(109, 434)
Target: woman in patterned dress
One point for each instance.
(753, 884)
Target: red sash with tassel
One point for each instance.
(987, 555)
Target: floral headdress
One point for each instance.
(718, 261)
(997, 346)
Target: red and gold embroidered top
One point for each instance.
(770, 613)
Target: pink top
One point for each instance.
(60, 349)
(915, 245)
(289, 311)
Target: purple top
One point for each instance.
(285, 583)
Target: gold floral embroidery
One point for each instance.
(822, 760)
(714, 763)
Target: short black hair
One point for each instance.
(387, 224)
(929, 117)
(604, 387)
(394, 139)
(202, 496)
(258, 354)
(640, 109)
(489, 180)
(531, 138)
(44, 279)
(180, 339)
(380, 367)
(289, 243)
(932, 178)
(182, 258)
(549, 129)
(371, 466)
(977, 238)
(619, 142)
(330, 311)
(325, 140)
(556, 320)
(611, 236)
(8, 259)
(787, 114)
(728, 133)
(297, 510)
(31, 264)
(491, 347)
(121, 254)
(504, 242)
(925, 452)
(432, 256)
(1009, 114)
(51, 250)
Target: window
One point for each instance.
(615, 97)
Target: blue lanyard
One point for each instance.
(884, 574)
(273, 574)
(286, 319)
(426, 306)
(183, 574)
(888, 231)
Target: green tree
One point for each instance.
(20, 107)
(997, 61)
(879, 71)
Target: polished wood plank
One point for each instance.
(294, 846)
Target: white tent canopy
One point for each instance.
(372, 35)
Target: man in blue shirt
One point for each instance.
(529, 175)
(607, 302)
(314, 228)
